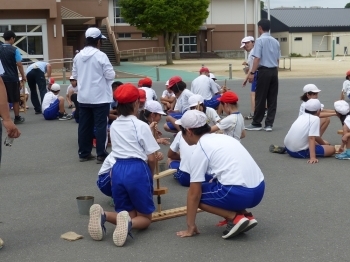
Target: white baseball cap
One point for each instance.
(55, 87)
(311, 88)
(194, 100)
(313, 105)
(94, 32)
(167, 83)
(212, 76)
(154, 107)
(342, 107)
(71, 78)
(192, 119)
(246, 40)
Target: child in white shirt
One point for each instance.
(342, 109)
(53, 105)
(197, 102)
(168, 98)
(72, 88)
(346, 87)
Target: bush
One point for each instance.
(295, 55)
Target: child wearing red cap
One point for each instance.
(168, 98)
(178, 87)
(133, 147)
(233, 124)
(147, 86)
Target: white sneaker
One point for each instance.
(122, 228)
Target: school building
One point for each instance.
(54, 29)
(311, 31)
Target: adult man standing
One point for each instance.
(94, 74)
(36, 76)
(11, 60)
(266, 55)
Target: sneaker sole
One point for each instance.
(238, 228)
(94, 227)
(121, 230)
(254, 129)
(252, 223)
(348, 158)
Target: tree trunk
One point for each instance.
(168, 41)
(177, 47)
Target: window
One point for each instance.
(144, 35)
(283, 39)
(298, 39)
(117, 13)
(124, 35)
(276, 38)
(337, 40)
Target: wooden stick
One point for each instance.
(170, 213)
(159, 200)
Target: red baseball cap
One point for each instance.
(228, 97)
(204, 69)
(348, 73)
(126, 93)
(140, 83)
(147, 81)
(51, 80)
(142, 94)
(174, 80)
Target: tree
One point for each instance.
(262, 5)
(165, 17)
(347, 5)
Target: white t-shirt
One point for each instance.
(167, 94)
(2, 71)
(297, 138)
(150, 93)
(226, 159)
(346, 87)
(49, 98)
(70, 87)
(250, 59)
(180, 145)
(212, 116)
(204, 87)
(107, 165)
(131, 138)
(347, 121)
(182, 101)
(232, 125)
(302, 108)
(217, 86)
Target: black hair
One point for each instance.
(342, 117)
(234, 104)
(202, 105)
(304, 96)
(178, 87)
(126, 109)
(311, 112)
(265, 24)
(198, 131)
(116, 84)
(347, 77)
(8, 35)
(144, 114)
(144, 85)
(92, 41)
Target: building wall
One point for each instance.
(284, 40)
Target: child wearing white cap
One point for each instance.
(342, 109)
(303, 138)
(197, 102)
(53, 105)
(238, 181)
(72, 89)
(168, 98)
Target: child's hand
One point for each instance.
(189, 232)
(344, 138)
(159, 156)
(153, 125)
(312, 161)
(163, 141)
(244, 83)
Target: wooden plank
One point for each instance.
(340, 132)
(170, 213)
(165, 173)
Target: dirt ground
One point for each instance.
(300, 67)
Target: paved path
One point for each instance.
(303, 216)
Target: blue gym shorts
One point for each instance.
(213, 102)
(182, 177)
(132, 186)
(51, 112)
(176, 116)
(104, 184)
(233, 198)
(255, 81)
(319, 150)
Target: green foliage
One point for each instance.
(262, 5)
(156, 17)
(295, 55)
(347, 5)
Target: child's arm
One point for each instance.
(342, 95)
(152, 162)
(312, 146)
(214, 129)
(173, 155)
(327, 113)
(243, 134)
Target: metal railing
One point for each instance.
(142, 51)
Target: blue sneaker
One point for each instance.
(97, 220)
(343, 156)
(122, 229)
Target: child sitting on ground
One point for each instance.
(197, 102)
(342, 109)
(24, 96)
(53, 105)
(346, 87)
(233, 124)
(168, 98)
(147, 86)
(303, 138)
(133, 146)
